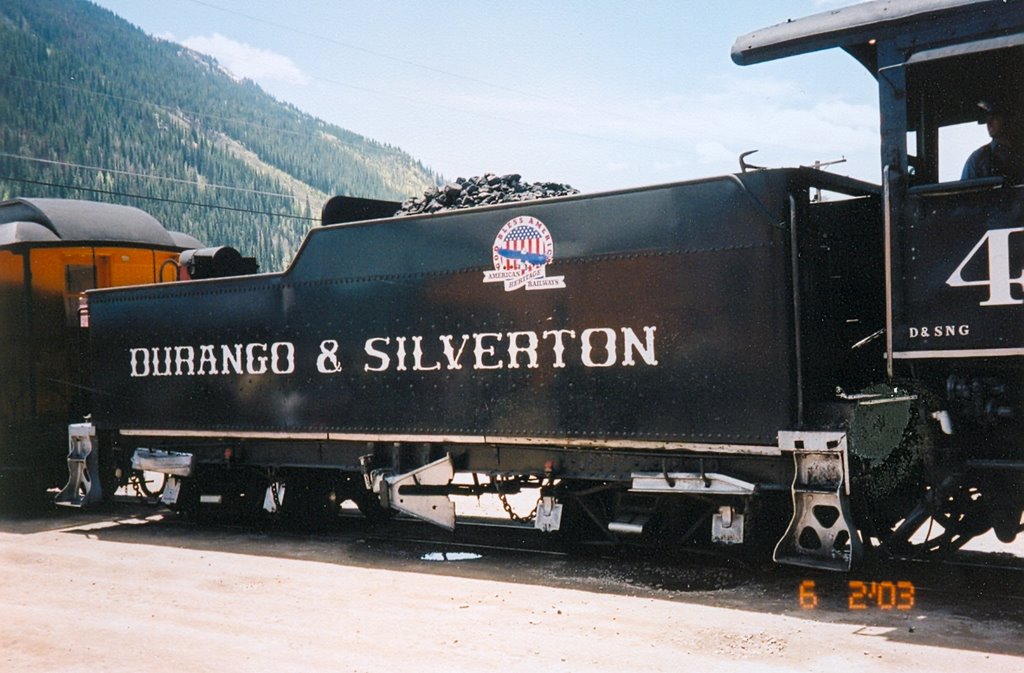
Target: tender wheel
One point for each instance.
(310, 502)
(369, 506)
(587, 509)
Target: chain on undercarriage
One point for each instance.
(275, 494)
(508, 508)
(134, 479)
(141, 486)
(515, 517)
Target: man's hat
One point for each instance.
(987, 108)
(1010, 107)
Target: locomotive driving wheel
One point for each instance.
(960, 511)
(910, 493)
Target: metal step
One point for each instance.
(83, 487)
(821, 533)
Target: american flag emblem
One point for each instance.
(524, 239)
(521, 251)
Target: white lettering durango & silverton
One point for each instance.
(593, 347)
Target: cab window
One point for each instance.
(944, 89)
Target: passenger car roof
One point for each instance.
(85, 221)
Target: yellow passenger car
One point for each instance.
(51, 252)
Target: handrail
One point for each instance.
(957, 186)
(887, 235)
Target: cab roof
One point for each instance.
(860, 29)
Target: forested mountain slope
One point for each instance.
(82, 89)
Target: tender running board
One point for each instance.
(821, 533)
(168, 462)
(709, 483)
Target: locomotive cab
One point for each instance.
(956, 309)
(953, 242)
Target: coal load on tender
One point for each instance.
(482, 190)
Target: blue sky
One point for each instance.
(600, 94)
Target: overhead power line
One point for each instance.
(334, 82)
(433, 69)
(148, 176)
(176, 110)
(371, 52)
(161, 199)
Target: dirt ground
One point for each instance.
(130, 590)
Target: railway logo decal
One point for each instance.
(521, 252)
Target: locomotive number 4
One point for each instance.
(999, 281)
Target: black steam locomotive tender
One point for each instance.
(736, 360)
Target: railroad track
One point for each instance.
(967, 579)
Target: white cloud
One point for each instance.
(787, 127)
(244, 60)
(617, 166)
(730, 116)
(691, 133)
(697, 130)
